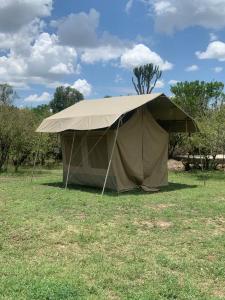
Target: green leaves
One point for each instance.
(198, 97)
(65, 97)
(146, 78)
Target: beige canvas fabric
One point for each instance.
(139, 157)
(101, 113)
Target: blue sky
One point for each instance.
(93, 45)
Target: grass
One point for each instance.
(60, 244)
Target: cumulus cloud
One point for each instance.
(172, 15)
(82, 32)
(44, 97)
(44, 62)
(215, 50)
(14, 14)
(79, 30)
(141, 54)
(83, 86)
(62, 68)
(20, 41)
(192, 68)
(102, 53)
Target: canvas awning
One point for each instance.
(102, 113)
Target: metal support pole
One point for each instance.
(71, 152)
(110, 161)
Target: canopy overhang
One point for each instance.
(102, 113)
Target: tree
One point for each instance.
(197, 98)
(7, 94)
(8, 118)
(204, 101)
(24, 137)
(146, 77)
(42, 111)
(64, 97)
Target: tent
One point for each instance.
(120, 143)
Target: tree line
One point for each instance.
(18, 140)
(203, 101)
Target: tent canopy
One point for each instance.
(102, 113)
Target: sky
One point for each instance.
(94, 45)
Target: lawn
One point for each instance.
(60, 244)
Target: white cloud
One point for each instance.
(44, 97)
(14, 14)
(141, 54)
(62, 69)
(192, 68)
(102, 53)
(215, 50)
(82, 32)
(172, 15)
(218, 69)
(173, 82)
(129, 6)
(79, 30)
(45, 61)
(82, 86)
(159, 84)
(213, 37)
(20, 41)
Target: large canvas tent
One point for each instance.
(119, 143)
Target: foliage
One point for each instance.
(7, 94)
(146, 77)
(72, 244)
(203, 101)
(8, 118)
(42, 111)
(64, 97)
(18, 141)
(25, 136)
(197, 98)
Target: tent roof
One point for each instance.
(101, 113)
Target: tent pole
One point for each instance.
(71, 152)
(110, 161)
(35, 158)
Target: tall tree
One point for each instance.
(7, 94)
(196, 98)
(64, 97)
(8, 118)
(146, 77)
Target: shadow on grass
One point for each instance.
(95, 190)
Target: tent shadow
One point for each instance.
(95, 190)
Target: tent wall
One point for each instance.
(139, 158)
(141, 153)
(89, 159)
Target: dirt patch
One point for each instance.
(175, 165)
(163, 224)
(211, 257)
(160, 206)
(219, 294)
(218, 225)
(146, 224)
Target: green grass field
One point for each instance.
(60, 244)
